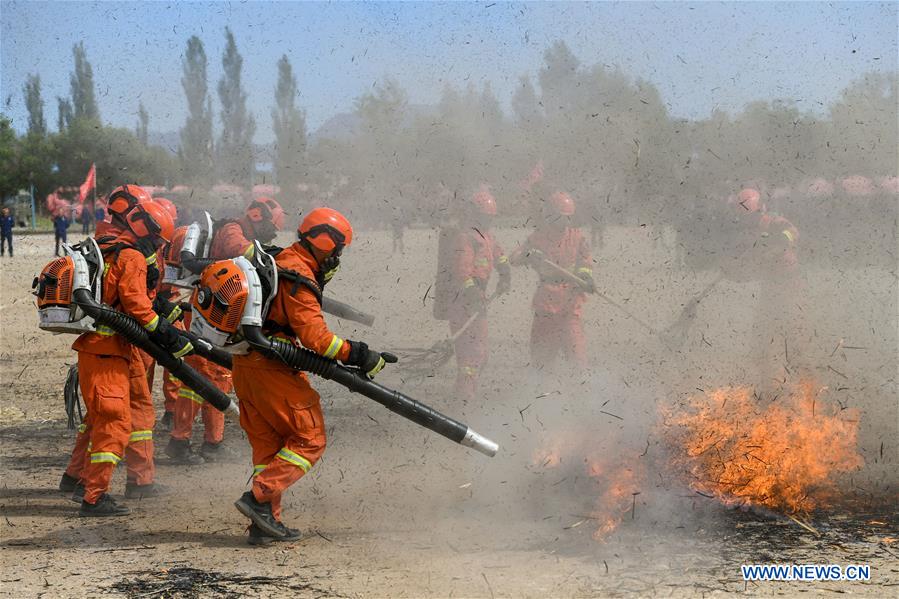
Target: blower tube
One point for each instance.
(346, 311)
(137, 335)
(302, 359)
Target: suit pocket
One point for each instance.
(110, 402)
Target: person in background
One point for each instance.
(60, 226)
(6, 224)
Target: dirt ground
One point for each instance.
(393, 510)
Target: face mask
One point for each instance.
(330, 266)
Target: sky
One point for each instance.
(701, 56)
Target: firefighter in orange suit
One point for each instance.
(141, 469)
(279, 409)
(110, 369)
(558, 303)
(769, 250)
(262, 219)
(476, 254)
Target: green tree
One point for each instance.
(10, 177)
(143, 123)
(289, 124)
(65, 114)
(35, 105)
(196, 149)
(84, 101)
(235, 148)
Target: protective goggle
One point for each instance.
(336, 236)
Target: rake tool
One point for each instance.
(676, 333)
(425, 360)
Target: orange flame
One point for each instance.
(620, 483)
(782, 454)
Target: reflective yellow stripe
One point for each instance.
(106, 267)
(174, 379)
(151, 259)
(105, 457)
(584, 270)
(105, 331)
(295, 459)
(184, 350)
(82, 427)
(334, 347)
(503, 259)
(140, 436)
(258, 468)
(470, 370)
(248, 253)
(788, 234)
(482, 262)
(469, 282)
(151, 326)
(190, 394)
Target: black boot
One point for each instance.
(257, 537)
(68, 483)
(179, 451)
(78, 493)
(136, 491)
(260, 514)
(166, 422)
(216, 452)
(105, 506)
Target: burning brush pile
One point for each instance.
(782, 453)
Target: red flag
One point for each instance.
(89, 183)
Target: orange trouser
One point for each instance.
(189, 403)
(170, 388)
(471, 350)
(552, 334)
(116, 391)
(283, 419)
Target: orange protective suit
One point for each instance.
(229, 241)
(279, 409)
(476, 254)
(113, 380)
(558, 306)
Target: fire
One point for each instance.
(781, 453)
(620, 481)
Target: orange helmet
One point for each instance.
(563, 203)
(326, 229)
(484, 202)
(172, 253)
(149, 219)
(125, 197)
(750, 200)
(265, 209)
(169, 206)
(221, 295)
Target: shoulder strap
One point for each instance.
(297, 279)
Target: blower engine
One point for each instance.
(228, 309)
(54, 288)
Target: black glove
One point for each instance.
(369, 361)
(168, 310)
(171, 339)
(589, 284)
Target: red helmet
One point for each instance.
(266, 209)
(124, 198)
(484, 202)
(169, 206)
(750, 200)
(563, 203)
(326, 229)
(149, 219)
